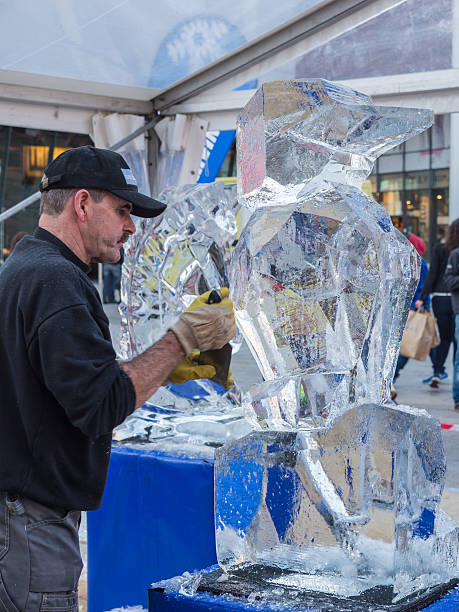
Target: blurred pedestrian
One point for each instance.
(452, 283)
(112, 277)
(15, 239)
(420, 247)
(441, 305)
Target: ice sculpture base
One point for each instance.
(339, 509)
(254, 583)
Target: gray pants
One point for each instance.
(40, 561)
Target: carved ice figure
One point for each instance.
(321, 280)
(169, 262)
(337, 490)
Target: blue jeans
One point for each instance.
(401, 363)
(456, 365)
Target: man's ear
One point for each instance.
(81, 203)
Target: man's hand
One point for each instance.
(206, 326)
(190, 369)
(203, 326)
(419, 305)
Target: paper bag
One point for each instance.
(420, 335)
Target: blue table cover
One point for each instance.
(156, 521)
(203, 602)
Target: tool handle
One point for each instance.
(215, 297)
(220, 358)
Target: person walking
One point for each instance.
(451, 279)
(435, 286)
(111, 279)
(63, 390)
(420, 247)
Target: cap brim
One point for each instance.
(142, 205)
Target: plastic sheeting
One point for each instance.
(182, 144)
(106, 130)
(156, 521)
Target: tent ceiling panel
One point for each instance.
(313, 28)
(132, 42)
(415, 36)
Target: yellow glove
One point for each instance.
(190, 369)
(206, 326)
(202, 300)
(229, 380)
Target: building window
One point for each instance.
(412, 183)
(24, 154)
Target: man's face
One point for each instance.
(108, 226)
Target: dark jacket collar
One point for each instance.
(43, 234)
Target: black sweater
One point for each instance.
(435, 282)
(62, 389)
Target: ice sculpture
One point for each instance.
(170, 261)
(337, 491)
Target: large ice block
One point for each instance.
(335, 491)
(341, 509)
(321, 280)
(170, 261)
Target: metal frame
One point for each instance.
(64, 105)
(438, 90)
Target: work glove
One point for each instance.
(191, 369)
(206, 360)
(206, 326)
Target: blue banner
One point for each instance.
(218, 143)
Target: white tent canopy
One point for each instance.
(71, 60)
(75, 58)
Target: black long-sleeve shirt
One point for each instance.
(435, 282)
(62, 389)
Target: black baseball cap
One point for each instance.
(92, 168)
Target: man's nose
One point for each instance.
(130, 226)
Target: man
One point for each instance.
(63, 391)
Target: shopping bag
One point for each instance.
(420, 335)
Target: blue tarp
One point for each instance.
(156, 521)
